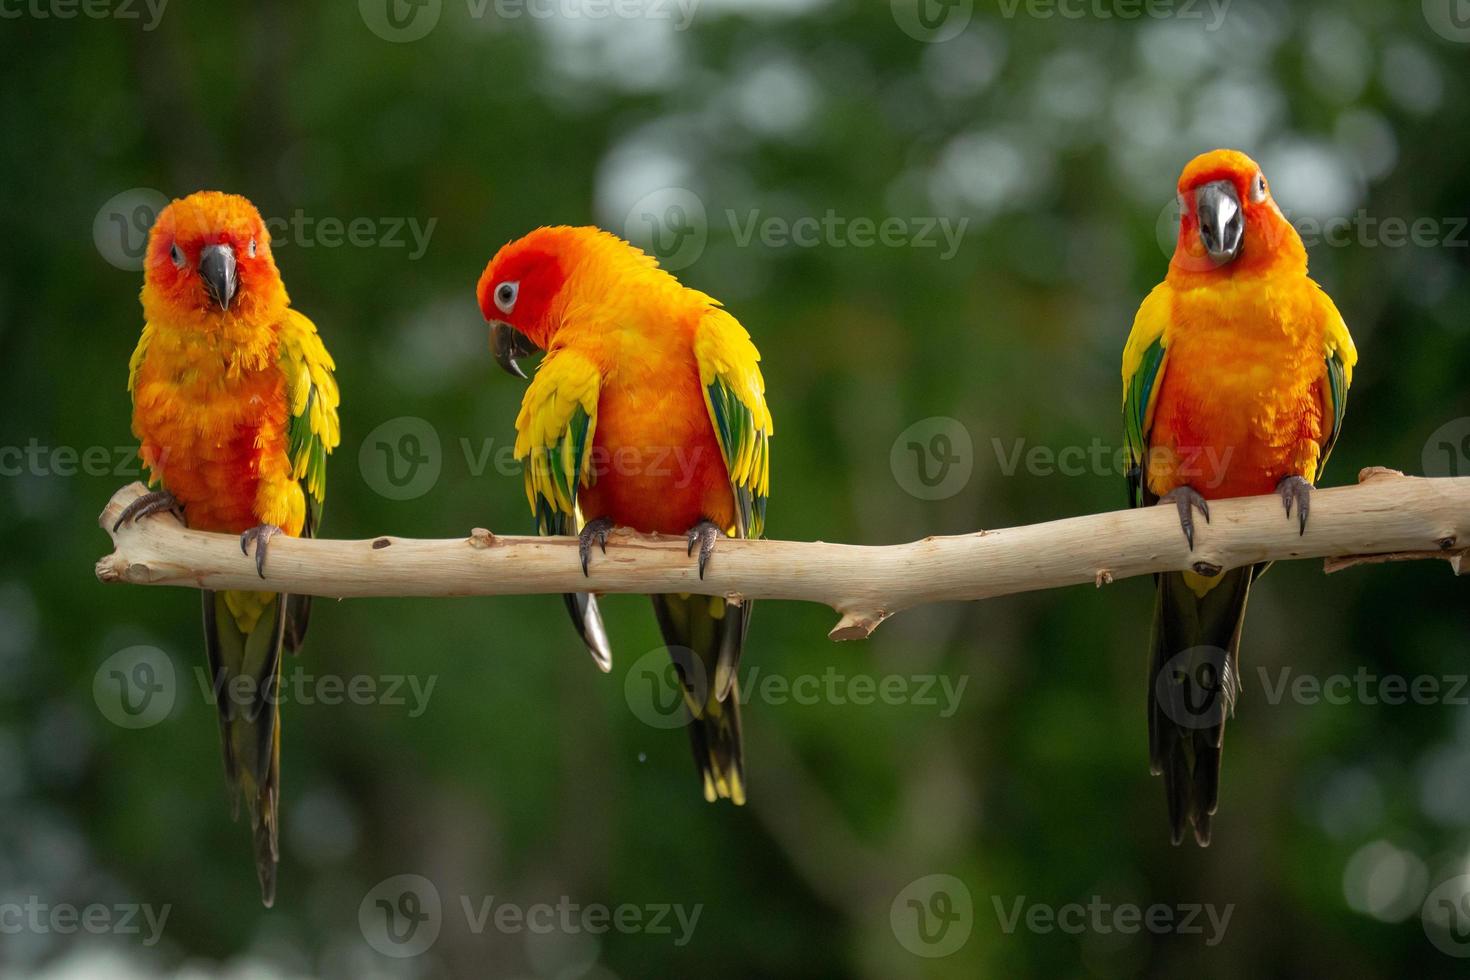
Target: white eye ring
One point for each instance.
(1258, 188)
(250, 250)
(177, 255)
(505, 296)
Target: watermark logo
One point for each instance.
(120, 228)
(932, 21)
(136, 687)
(401, 459)
(1446, 916)
(401, 916)
(656, 685)
(1447, 450)
(400, 21)
(933, 458)
(669, 224)
(933, 916)
(1450, 19)
(1191, 687)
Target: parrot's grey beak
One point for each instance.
(217, 269)
(508, 343)
(1221, 222)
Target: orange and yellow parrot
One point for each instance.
(235, 409)
(1235, 378)
(647, 412)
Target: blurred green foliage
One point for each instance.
(1056, 140)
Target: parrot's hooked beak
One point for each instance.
(217, 269)
(1221, 222)
(508, 343)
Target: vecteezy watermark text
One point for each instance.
(657, 683)
(137, 10)
(121, 226)
(63, 918)
(402, 916)
(1365, 687)
(403, 21)
(1211, 12)
(1103, 917)
(300, 687)
(36, 458)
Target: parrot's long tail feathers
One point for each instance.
(298, 614)
(582, 607)
(244, 634)
(699, 631)
(1193, 684)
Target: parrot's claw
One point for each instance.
(149, 503)
(261, 534)
(1295, 489)
(1188, 500)
(595, 532)
(704, 534)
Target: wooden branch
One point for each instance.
(1387, 517)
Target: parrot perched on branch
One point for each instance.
(1235, 378)
(647, 412)
(235, 408)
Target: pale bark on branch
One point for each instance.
(1386, 517)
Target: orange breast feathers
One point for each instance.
(656, 462)
(212, 423)
(1240, 404)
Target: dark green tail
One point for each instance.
(249, 710)
(705, 635)
(1193, 684)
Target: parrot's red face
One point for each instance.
(1228, 222)
(518, 292)
(209, 259)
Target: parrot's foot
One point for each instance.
(704, 534)
(149, 503)
(1188, 500)
(1295, 489)
(594, 532)
(261, 534)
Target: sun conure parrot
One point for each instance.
(1235, 379)
(648, 412)
(235, 409)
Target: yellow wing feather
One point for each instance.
(313, 397)
(735, 397)
(554, 431)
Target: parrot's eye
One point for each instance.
(505, 295)
(250, 249)
(1258, 188)
(177, 254)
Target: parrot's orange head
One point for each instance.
(1228, 222)
(520, 291)
(209, 262)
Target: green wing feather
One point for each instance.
(1336, 391)
(554, 433)
(1136, 403)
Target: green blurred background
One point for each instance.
(1047, 139)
